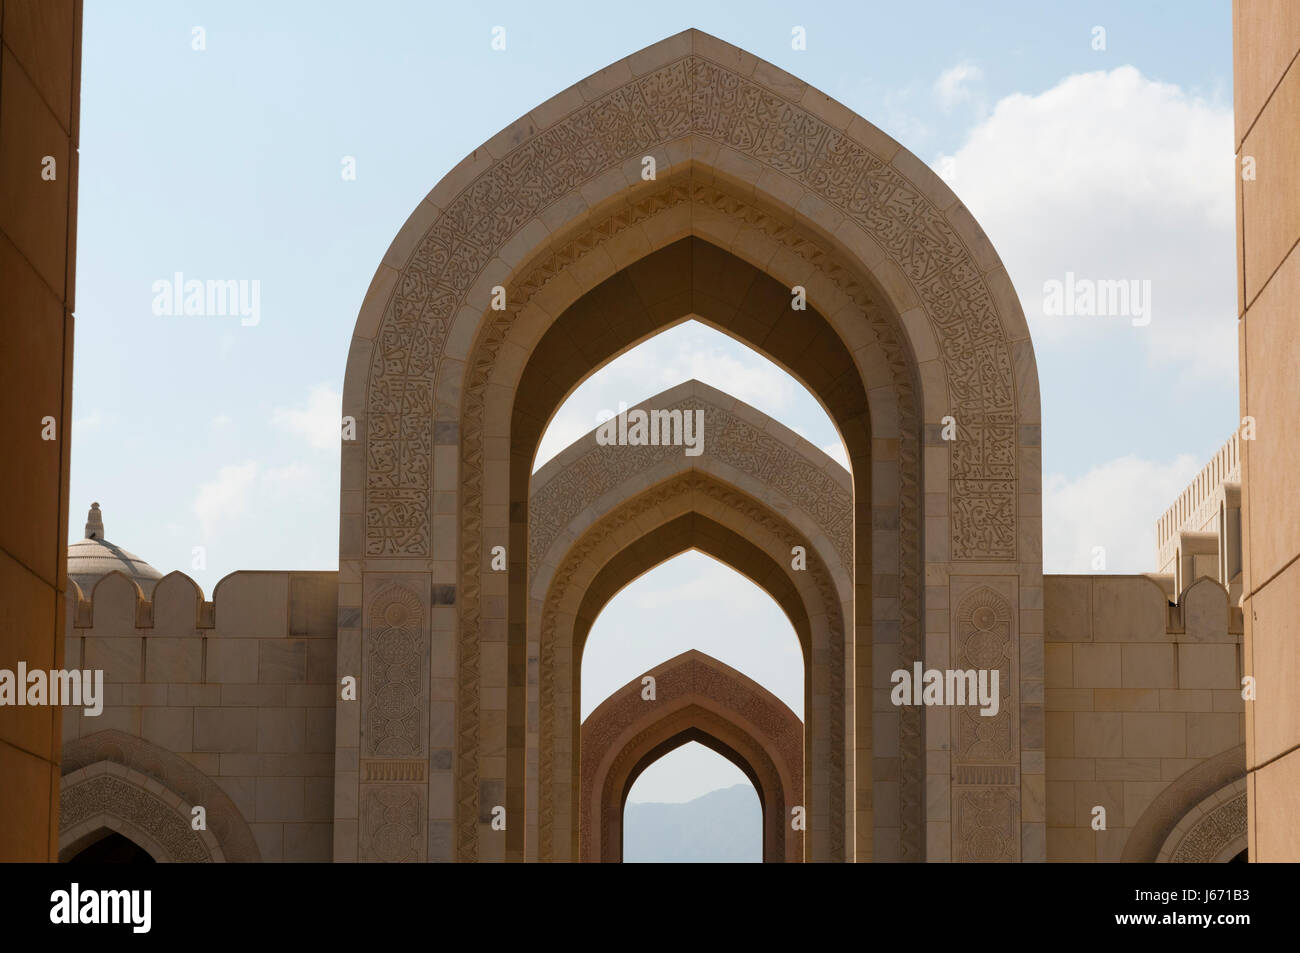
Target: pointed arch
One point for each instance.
(758, 168)
(106, 797)
(1153, 831)
(691, 510)
(117, 781)
(697, 698)
(600, 516)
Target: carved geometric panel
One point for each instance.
(985, 748)
(392, 823)
(988, 825)
(984, 644)
(396, 669)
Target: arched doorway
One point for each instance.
(106, 799)
(106, 846)
(754, 495)
(663, 824)
(116, 783)
(544, 255)
(696, 698)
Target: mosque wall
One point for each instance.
(241, 687)
(1144, 713)
(40, 105)
(1266, 88)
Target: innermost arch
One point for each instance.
(692, 806)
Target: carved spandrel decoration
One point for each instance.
(172, 772)
(110, 795)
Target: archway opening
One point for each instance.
(692, 601)
(111, 848)
(692, 805)
(906, 299)
(688, 278)
(691, 350)
(689, 513)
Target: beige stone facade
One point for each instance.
(1200, 534)
(1266, 86)
(40, 106)
(238, 692)
(231, 703)
(1141, 696)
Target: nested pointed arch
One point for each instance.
(696, 698)
(762, 184)
(692, 510)
(752, 479)
(740, 445)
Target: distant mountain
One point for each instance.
(724, 826)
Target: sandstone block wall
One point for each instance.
(242, 687)
(1266, 87)
(1138, 694)
(40, 66)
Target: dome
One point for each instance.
(94, 557)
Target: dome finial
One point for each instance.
(94, 523)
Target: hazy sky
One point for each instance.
(225, 163)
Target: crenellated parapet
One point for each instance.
(245, 604)
(1200, 534)
(241, 687)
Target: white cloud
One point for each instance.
(222, 420)
(84, 425)
(1115, 506)
(319, 422)
(291, 478)
(225, 497)
(1110, 175)
(954, 84)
